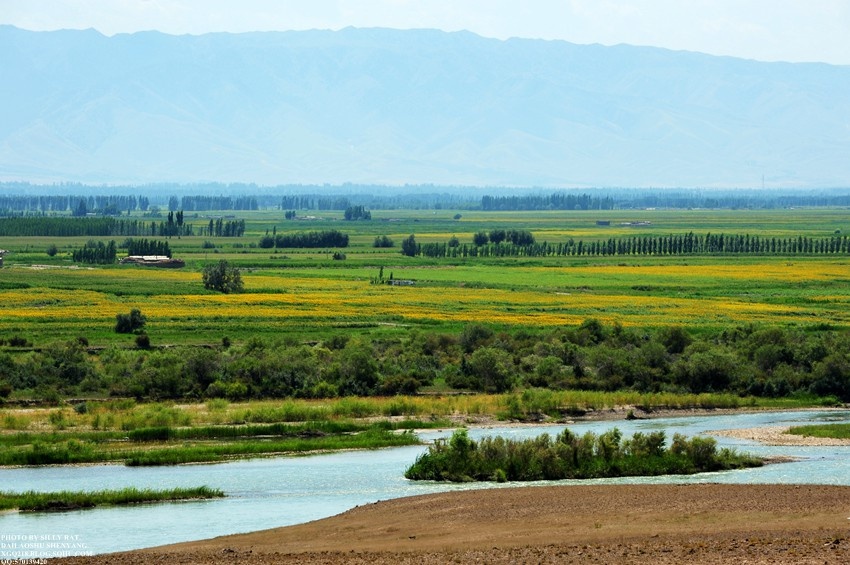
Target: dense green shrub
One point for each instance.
(313, 239)
(223, 277)
(143, 341)
(740, 361)
(129, 323)
(383, 241)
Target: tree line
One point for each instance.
(554, 201)
(99, 253)
(25, 198)
(673, 244)
(314, 202)
(99, 204)
(224, 228)
(96, 253)
(636, 199)
(744, 360)
(146, 247)
(354, 213)
(28, 226)
(204, 203)
(312, 239)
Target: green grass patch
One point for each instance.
(32, 501)
(371, 439)
(203, 444)
(305, 430)
(836, 431)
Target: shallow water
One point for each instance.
(267, 493)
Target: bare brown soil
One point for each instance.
(665, 524)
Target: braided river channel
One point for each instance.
(272, 492)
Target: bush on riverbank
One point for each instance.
(570, 456)
(769, 362)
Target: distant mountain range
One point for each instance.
(420, 106)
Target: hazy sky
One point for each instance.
(768, 30)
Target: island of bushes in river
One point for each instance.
(570, 456)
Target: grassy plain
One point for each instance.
(124, 416)
(305, 294)
(166, 434)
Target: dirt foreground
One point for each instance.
(697, 523)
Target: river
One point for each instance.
(271, 492)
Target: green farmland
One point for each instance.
(555, 314)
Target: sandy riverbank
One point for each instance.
(663, 524)
(768, 435)
(778, 435)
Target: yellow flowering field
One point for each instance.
(790, 271)
(301, 299)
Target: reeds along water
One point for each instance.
(33, 501)
(173, 445)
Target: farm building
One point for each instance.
(153, 261)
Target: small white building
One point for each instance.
(153, 261)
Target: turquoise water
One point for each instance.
(267, 493)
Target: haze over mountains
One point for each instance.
(395, 107)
